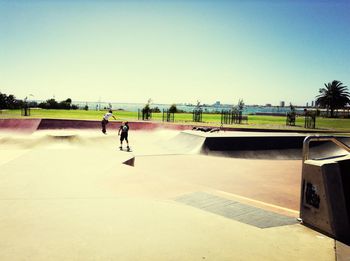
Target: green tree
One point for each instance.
(292, 108)
(240, 105)
(53, 104)
(334, 96)
(146, 111)
(49, 104)
(11, 101)
(65, 105)
(173, 108)
(147, 107)
(155, 109)
(3, 97)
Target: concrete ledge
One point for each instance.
(48, 124)
(93, 124)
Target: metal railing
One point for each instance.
(307, 140)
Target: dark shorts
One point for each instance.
(123, 136)
(104, 123)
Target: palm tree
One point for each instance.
(334, 96)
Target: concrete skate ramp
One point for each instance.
(184, 143)
(327, 149)
(19, 125)
(237, 144)
(32, 125)
(45, 139)
(66, 140)
(47, 124)
(263, 145)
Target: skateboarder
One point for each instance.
(105, 120)
(123, 132)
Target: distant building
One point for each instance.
(217, 103)
(268, 105)
(312, 104)
(282, 103)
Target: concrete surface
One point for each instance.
(72, 199)
(342, 252)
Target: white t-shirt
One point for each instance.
(108, 115)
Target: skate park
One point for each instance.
(67, 192)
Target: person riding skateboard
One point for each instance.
(123, 132)
(105, 120)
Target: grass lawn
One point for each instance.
(67, 114)
(254, 121)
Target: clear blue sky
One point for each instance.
(174, 51)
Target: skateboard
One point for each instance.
(126, 149)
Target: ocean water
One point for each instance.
(187, 108)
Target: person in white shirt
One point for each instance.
(105, 120)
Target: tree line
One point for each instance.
(10, 102)
(53, 104)
(147, 108)
(332, 97)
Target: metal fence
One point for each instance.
(233, 117)
(168, 116)
(197, 115)
(144, 114)
(310, 120)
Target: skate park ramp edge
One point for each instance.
(19, 125)
(263, 145)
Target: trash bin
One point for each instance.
(325, 191)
